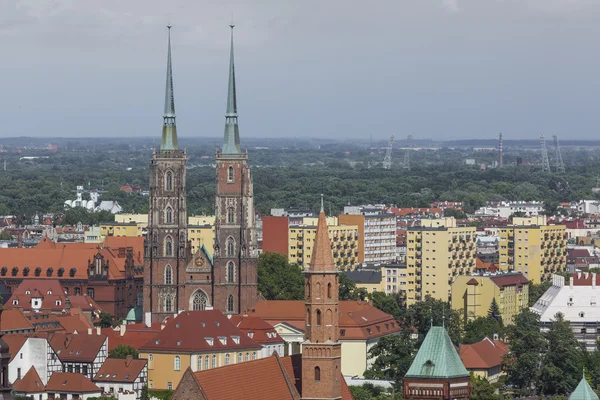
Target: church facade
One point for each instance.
(175, 279)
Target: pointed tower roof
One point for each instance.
(231, 144)
(169, 134)
(437, 358)
(322, 256)
(583, 391)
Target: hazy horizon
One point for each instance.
(435, 69)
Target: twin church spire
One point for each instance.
(231, 144)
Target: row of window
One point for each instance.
(199, 302)
(230, 275)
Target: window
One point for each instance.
(18, 373)
(85, 369)
(214, 361)
(69, 368)
(90, 292)
(230, 247)
(206, 362)
(227, 359)
(77, 291)
(318, 317)
(247, 357)
(230, 272)
(169, 215)
(199, 302)
(230, 303)
(168, 246)
(230, 215)
(329, 290)
(169, 181)
(317, 374)
(239, 357)
(199, 366)
(168, 304)
(254, 355)
(170, 385)
(77, 369)
(168, 275)
(177, 363)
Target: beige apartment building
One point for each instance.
(436, 253)
(534, 248)
(376, 235)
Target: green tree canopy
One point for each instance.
(348, 289)
(483, 390)
(386, 303)
(278, 279)
(122, 351)
(494, 312)
(393, 356)
(478, 328)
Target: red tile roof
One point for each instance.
(68, 382)
(77, 348)
(135, 335)
(516, 279)
(15, 342)
(485, 354)
(120, 370)
(30, 383)
(192, 331)
(14, 320)
(257, 328)
(357, 320)
(73, 323)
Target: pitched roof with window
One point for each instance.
(77, 348)
(68, 382)
(437, 357)
(14, 320)
(257, 329)
(484, 354)
(30, 383)
(197, 331)
(120, 370)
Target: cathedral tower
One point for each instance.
(235, 274)
(321, 351)
(166, 250)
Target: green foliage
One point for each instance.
(278, 279)
(348, 289)
(478, 328)
(74, 215)
(494, 312)
(483, 390)
(145, 395)
(451, 212)
(562, 364)
(122, 351)
(537, 290)
(160, 394)
(393, 356)
(102, 398)
(386, 302)
(369, 392)
(527, 346)
(423, 314)
(5, 236)
(107, 320)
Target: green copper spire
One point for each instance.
(583, 391)
(231, 144)
(169, 133)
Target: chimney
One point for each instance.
(20, 240)
(89, 331)
(122, 329)
(67, 340)
(593, 279)
(98, 331)
(128, 360)
(148, 319)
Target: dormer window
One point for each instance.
(250, 335)
(49, 292)
(58, 302)
(236, 339)
(15, 302)
(210, 341)
(223, 340)
(28, 292)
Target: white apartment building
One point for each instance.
(505, 209)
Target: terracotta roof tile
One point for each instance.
(322, 255)
(71, 383)
(132, 336)
(192, 331)
(77, 348)
(257, 328)
(484, 354)
(52, 295)
(516, 279)
(120, 370)
(14, 320)
(30, 383)
(14, 342)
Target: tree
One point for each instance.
(122, 351)
(423, 314)
(392, 356)
(494, 312)
(107, 320)
(368, 391)
(562, 364)
(481, 327)
(386, 303)
(527, 345)
(537, 290)
(483, 390)
(348, 289)
(278, 279)
(144, 395)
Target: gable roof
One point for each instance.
(484, 354)
(134, 335)
(76, 348)
(120, 370)
(583, 391)
(364, 276)
(192, 331)
(71, 383)
(514, 279)
(30, 383)
(52, 295)
(257, 329)
(437, 357)
(14, 320)
(14, 342)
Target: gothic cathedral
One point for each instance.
(175, 279)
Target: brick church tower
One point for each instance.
(167, 249)
(321, 351)
(235, 274)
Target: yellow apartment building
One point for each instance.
(202, 235)
(531, 246)
(388, 279)
(473, 295)
(200, 340)
(141, 219)
(344, 243)
(120, 229)
(436, 253)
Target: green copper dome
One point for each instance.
(583, 391)
(134, 315)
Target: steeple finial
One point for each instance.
(169, 134)
(322, 204)
(231, 144)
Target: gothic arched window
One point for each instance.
(317, 374)
(230, 247)
(329, 290)
(177, 365)
(169, 181)
(168, 275)
(169, 215)
(230, 215)
(318, 317)
(230, 174)
(168, 246)
(230, 272)
(199, 366)
(230, 303)
(168, 304)
(199, 301)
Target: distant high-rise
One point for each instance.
(500, 161)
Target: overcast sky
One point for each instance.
(305, 68)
